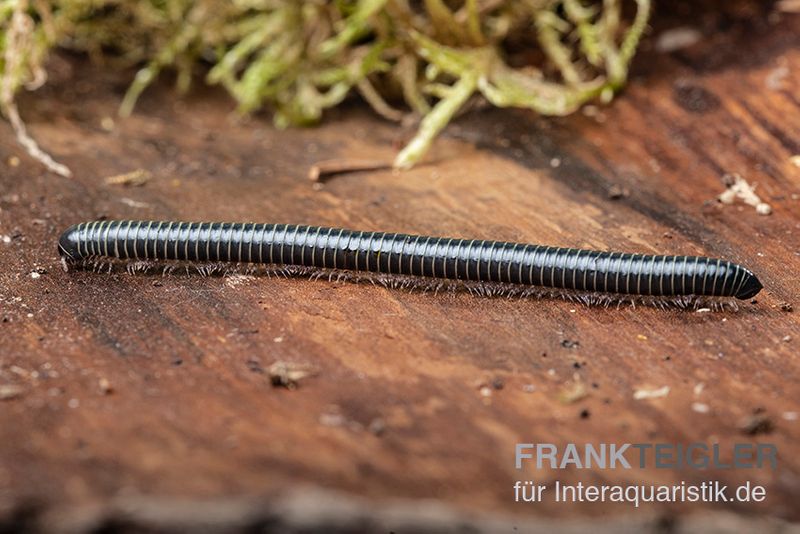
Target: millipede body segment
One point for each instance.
(411, 255)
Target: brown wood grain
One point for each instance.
(412, 395)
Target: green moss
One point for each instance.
(300, 57)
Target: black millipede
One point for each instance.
(390, 254)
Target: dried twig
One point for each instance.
(323, 170)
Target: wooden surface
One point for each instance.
(135, 386)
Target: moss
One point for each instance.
(298, 58)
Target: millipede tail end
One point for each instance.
(750, 287)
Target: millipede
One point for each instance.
(396, 256)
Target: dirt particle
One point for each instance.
(288, 374)
(105, 386)
(585, 413)
(377, 426)
(758, 423)
(616, 192)
(107, 123)
(776, 77)
(332, 417)
(569, 344)
(254, 365)
(498, 383)
(762, 208)
(694, 98)
(786, 307)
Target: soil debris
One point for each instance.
(616, 192)
(758, 423)
(105, 386)
(737, 187)
(573, 392)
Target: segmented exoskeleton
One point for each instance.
(409, 255)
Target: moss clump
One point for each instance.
(299, 57)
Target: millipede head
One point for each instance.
(68, 247)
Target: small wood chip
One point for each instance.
(10, 391)
(677, 39)
(138, 177)
(641, 394)
(573, 393)
(789, 6)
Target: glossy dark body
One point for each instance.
(392, 253)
